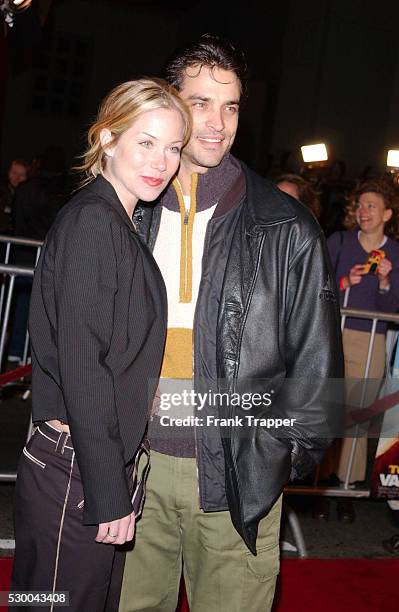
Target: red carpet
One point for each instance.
(5, 575)
(319, 585)
(338, 585)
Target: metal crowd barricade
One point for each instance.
(11, 271)
(8, 274)
(344, 490)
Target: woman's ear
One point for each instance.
(387, 214)
(106, 141)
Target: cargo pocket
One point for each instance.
(260, 579)
(33, 459)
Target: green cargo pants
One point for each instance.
(220, 573)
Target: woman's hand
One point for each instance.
(355, 275)
(384, 269)
(117, 532)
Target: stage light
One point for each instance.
(10, 8)
(393, 158)
(314, 153)
(21, 4)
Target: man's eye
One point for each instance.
(232, 109)
(199, 104)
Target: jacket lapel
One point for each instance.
(103, 188)
(264, 206)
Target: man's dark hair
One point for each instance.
(209, 50)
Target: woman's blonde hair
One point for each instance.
(118, 111)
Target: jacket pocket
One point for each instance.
(33, 459)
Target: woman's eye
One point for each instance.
(175, 150)
(146, 143)
(199, 105)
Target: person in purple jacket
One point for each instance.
(374, 214)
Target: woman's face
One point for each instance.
(289, 188)
(371, 214)
(145, 157)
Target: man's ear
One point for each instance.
(106, 141)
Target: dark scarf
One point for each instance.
(212, 185)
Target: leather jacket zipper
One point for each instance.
(196, 385)
(244, 318)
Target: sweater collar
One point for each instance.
(211, 187)
(266, 205)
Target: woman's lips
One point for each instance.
(152, 182)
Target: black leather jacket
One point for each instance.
(278, 320)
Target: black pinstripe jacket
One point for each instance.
(97, 324)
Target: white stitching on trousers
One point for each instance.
(58, 441)
(32, 458)
(60, 530)
(51, 440)
(64, 444)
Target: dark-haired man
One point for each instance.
(250, 298)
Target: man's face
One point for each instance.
(17, 174)
(213, 97)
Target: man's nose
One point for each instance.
(215, 120)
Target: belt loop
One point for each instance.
(64, 443)
(62, 439)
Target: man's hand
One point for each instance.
(117, 532)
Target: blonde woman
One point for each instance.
(97, 325)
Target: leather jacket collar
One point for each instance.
(257, 215)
